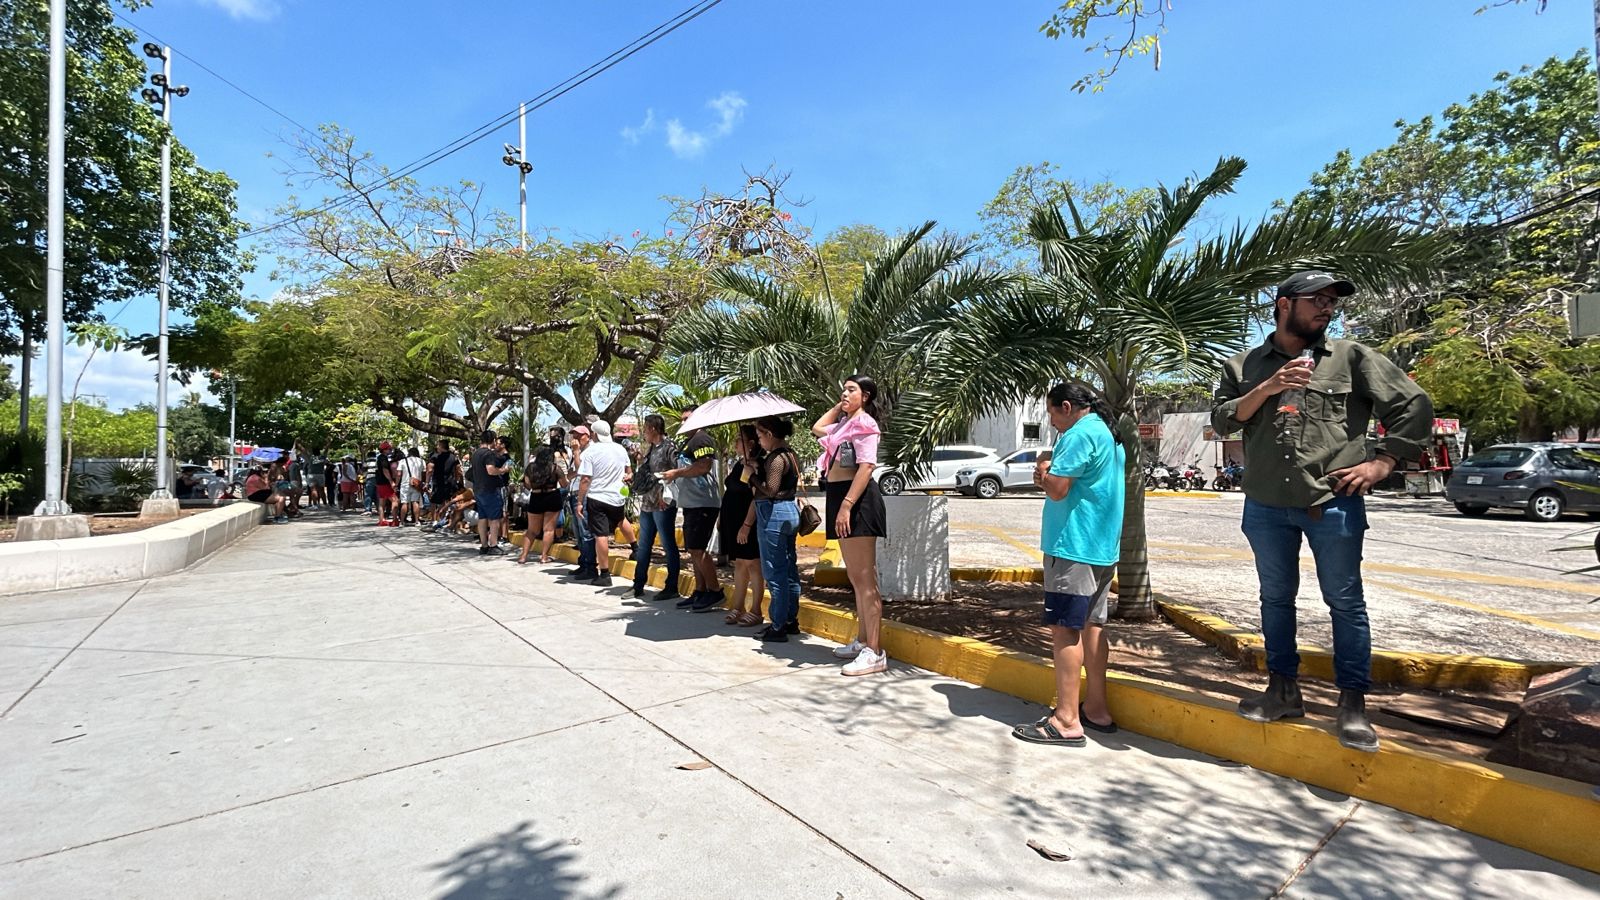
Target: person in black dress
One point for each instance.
(736, 499)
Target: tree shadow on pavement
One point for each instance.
(515, 865)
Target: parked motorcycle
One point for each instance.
(1228, 477)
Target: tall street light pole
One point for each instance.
(518, 157)
(53, 518)
(161, 502)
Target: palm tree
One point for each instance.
(760, 333)
(1122, 305)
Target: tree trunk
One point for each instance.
(1134, 597)
(25, 376)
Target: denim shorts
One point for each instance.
(491, 505)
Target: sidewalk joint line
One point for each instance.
(310, 790)
(68, 655)
(1304, 863)
(674, 738)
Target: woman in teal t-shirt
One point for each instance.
(1080, 535)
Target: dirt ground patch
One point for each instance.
(113, 523)
(1008, 615)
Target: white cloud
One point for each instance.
(631, 134)
(121, 378)
(688, 143)
(259, 10)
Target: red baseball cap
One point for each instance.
(385, 446)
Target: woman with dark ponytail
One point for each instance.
(849, 434)
(1081, 536)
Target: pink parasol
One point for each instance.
(738, 408)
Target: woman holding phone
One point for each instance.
(849, 434)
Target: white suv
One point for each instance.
(945, 463)
(1011, 473)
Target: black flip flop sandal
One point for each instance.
(1096, 726)
(1045, 733)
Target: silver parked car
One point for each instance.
(1013, 472)
(1528, 477)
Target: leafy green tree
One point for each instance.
(190, 431)
(1122, 305)
(1005, 217)
(112, 180)
(8, 388)
(1505, 178)
(766, 334)
(1134, 29)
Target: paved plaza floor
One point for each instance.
(330, 709)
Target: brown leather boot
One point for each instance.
(1355, 731)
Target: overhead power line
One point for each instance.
(539, 101)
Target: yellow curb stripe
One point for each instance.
(1438, 671)
(1502, 803)
(1198, 495)
(1024, 574)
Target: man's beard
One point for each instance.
(1309, 335)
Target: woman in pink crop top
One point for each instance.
(849, 435)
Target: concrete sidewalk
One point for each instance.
(334, 710)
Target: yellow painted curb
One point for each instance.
(1033, 574)
(1198, 495)
(1502, 803)
(1438, 671)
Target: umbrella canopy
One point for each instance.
(738, 408)
(264, 454)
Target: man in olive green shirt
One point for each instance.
(1306, 473)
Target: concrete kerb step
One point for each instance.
(1505, 804)
(1436, 671)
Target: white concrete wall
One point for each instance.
(31, 566)
(914, 560)
(1003, 428)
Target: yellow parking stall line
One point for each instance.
(1003, 535)
(1567, 587)
(1490, 610)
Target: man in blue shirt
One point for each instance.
(1081, 536)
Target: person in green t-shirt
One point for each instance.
(1080, 535)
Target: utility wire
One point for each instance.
(215, 74)
(539, 101)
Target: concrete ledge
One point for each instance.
(1505, 804)
(1438, 671)
(34, 566)
(1198, 495)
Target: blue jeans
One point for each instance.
(586, 551)
(776, 521)
(651, 524)
(1335, 538)
(372, 493)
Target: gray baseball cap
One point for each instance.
(1302, 283)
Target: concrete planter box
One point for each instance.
(32, 566)
(913, 560)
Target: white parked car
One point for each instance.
(1013, 472)
(946, 462)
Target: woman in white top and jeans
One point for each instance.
(849, 435)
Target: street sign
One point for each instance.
(1149, 432)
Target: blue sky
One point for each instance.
(885, 113)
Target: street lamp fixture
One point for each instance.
(154, 51)
(517, 158)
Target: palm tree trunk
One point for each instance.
(1134, 598)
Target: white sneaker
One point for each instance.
(867, 663)
(850, 650)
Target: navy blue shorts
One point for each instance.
(1076, 594)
